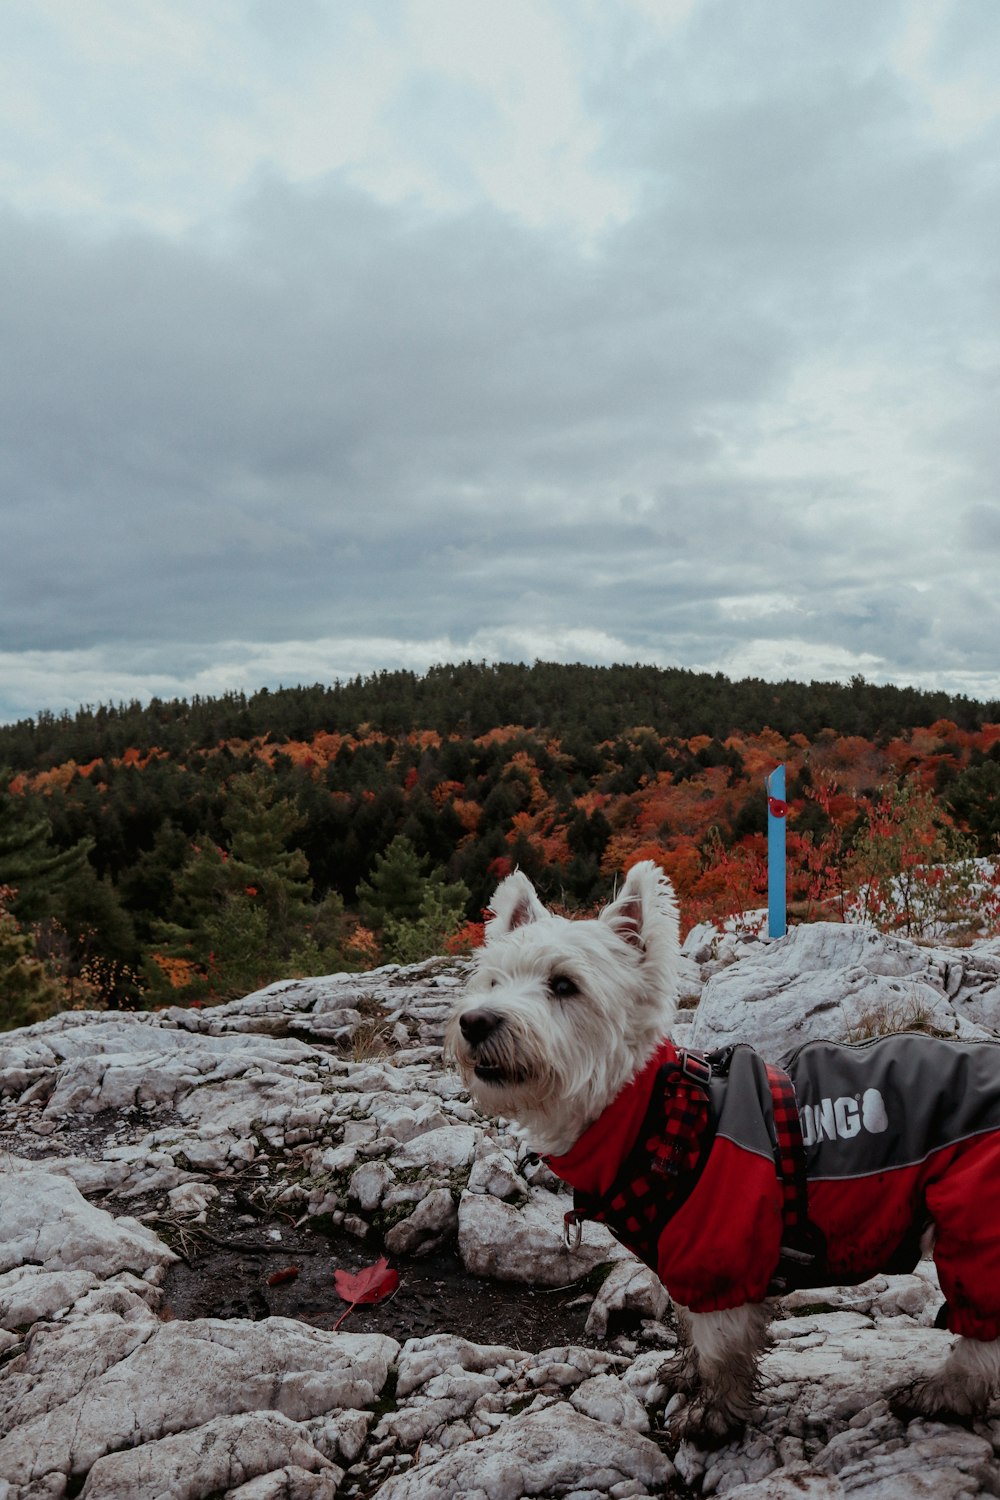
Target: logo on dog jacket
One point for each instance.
(844, 1117)
(889, 1102)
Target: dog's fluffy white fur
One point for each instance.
(557, 1018)
(557, 1059)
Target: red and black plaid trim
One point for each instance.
(660, 1171)
(675, 1146)
(790, 1156)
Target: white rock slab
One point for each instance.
(421, 1360)
(444, 1400)
(972, 979)
(936, 1462)
(556, 1451)
(28, 1293)
(289, 1483)
(431, 1225)
(450, 1148)
(156, 1379)
(630, 1286)
(525, 1242)
(797, 1482)
(826, 1367)
(918, 1297)
(106, 1366)
(45, 1220)
(406, 1117)
(824, 980)
(606, 1399)
(219, 1455)
(494, 1172)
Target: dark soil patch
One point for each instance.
(436, 1294)
(89, 1135)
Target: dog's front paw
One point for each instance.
(706, 1424)
(679, 1373)
(940, 1400)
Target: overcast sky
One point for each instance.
(349, 334)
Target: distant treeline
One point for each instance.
(195, 850)
(592, 704)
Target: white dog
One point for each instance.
(698, 1164)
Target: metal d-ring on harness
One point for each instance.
(572, 1225)
(572, 1231)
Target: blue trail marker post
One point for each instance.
(777, 810)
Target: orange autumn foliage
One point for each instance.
(760, 753)
(178, 972)
(468, 813)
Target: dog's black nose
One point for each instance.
(477, 1025)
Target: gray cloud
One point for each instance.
(735, 422)
(981, 526)
(343, 377)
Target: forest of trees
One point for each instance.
(468, 700)
(194, 851)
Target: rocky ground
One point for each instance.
(177, 1189)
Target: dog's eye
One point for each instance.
(562, 986)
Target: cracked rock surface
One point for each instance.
(137, 1150)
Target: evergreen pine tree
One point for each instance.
(182, 937)
(261, 827)
(30, 863)
(974, 798)
(238, 913)
(27, 993)
(396, 886)
(416, 912)
(147, 887)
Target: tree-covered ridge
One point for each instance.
(208, 868)
(472, 698)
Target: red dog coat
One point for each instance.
(706, 1174)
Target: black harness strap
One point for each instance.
(802, 1245)
(789, 1156)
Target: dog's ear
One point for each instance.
(515, 903)
(643, 901)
